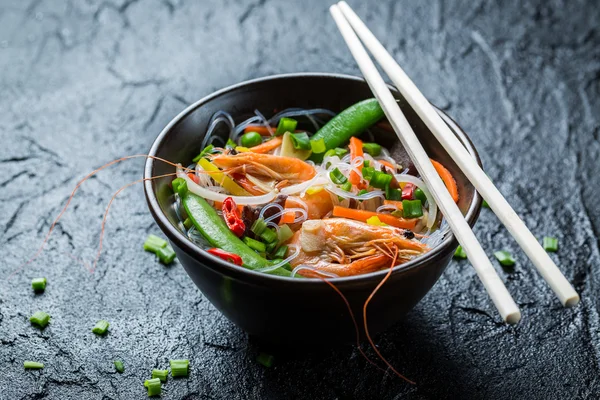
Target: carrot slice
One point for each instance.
(268, 145)
(260, 129)
(356, 150)
(447, 178)
(193, 177)
(398, 204)
(361, 215)
(287, 218)
(387, 164)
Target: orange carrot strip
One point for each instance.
(193, 177)
(260, 129)
(361, 215)
(447, 178)
(287, 218)
(268, 145)
(387, 164)
(356, 150)
(398, 204)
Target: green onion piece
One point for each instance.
(485, 204)
(188, 223)
(460, 253)
(33, 365)
(347, 186)
(286, 125)
(380, 179)
(154, 387)
(154, 243)
(40, 318)
(281, 252)
(207, 149)
(265, 359)
(372, 148)
(230, 144)
(101, 327)
(300, 141)
(318, 146)
(258, 226)
(166, 255)
(412, 208)
(505, 258)
(160, 374)
(420, 195)
(397, 214)
(119, 366)
(366, 163)
(336, 152)
(337, 177)
(179, 367)
(550, 244)
(285, 233)
(38, 284)
(269, 236)
(367, 172)
(362, 191)
(179, 186)
(251, 139)
(255, 244)
(272, 246)
(392, 194)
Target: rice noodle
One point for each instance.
(264, 121)
(300, 187)
(216, 119)
(421, 185)
(303, 214)
(283, 262)
(299, 201)
(348, 195)
(301, 267)
(210, 195)
(268, 206)
(386, 207)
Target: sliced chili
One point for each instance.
(408, 191)
(227, 256)
(232, 217)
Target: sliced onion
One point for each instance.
(301, 267)
(282, 263)
(300, 187)
(299, 201)
(421, 185)
(210, 195)
(347, 195)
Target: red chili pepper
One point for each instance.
(408, 191)
(232, 217)
(227, 256)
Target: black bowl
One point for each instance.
(285, 310)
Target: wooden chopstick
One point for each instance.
(462, 231)
(517, 228)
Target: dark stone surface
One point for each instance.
(84, 82)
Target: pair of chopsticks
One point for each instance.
(350, 25)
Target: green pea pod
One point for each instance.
(350, 122)
(216, 232)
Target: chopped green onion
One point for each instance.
(179, 367)
(397, 214)
(207, 149)
(38, 284)
(300, 141)
(281, 252)
(550, 244)
(101, 327)
(33, 365)
(393, 194)
(160, 374)
(372, 148)
(166, 255)
(505, 258)
(272, 246)
(412, 208)
(347, 186)
(366, 163)
(179, 186)
(154, 387)
(251, 139)
(269, 235)
(318, 146)
(313, 189)
(188, 223)
(374, 220)
(286, 125)
(336, 152)
(420, 195)
(380, 179)
(258, 226)
(40, 318)
(255, 244)
(285, 233)
(367, 172)
(337, 177)
(154, 243)
(231, 144)
(460, 253)
(362, 191)
(265, 359)
(485, 204)
(119, 366)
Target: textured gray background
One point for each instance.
(84, 82)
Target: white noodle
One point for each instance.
(301, 267)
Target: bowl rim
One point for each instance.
(223, 267)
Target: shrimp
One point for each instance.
(346, 247)
(279, 168)
(318, 204)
